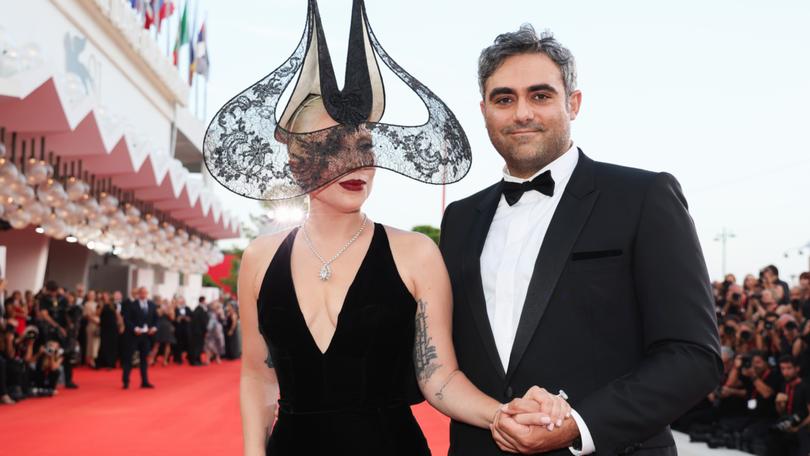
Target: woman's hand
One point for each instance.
(538, 407)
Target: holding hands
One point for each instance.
(536, 423)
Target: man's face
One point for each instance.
(759, 365)
(789, 371)
(142, 293)
(527, 112)
(117, 296)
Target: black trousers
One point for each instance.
(143, 345)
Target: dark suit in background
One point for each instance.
(618, 313)
(135, 317)
(199, 324)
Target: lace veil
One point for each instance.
(250, 152)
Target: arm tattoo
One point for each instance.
(423, 351)
(440, 393)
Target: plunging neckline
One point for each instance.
(300, 312)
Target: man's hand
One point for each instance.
(152, 331)
(538, 407)
(514, 437)
(527, 425)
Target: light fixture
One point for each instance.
(40, 230)
(71, 239)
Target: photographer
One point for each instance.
(754, 380)
(768, 336)
(789, 435)
(49, 360)
(54, 311)
(19, 357)
(770, 281)
(735, 302)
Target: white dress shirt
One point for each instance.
(509, 255)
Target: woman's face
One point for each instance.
(91, 296)
(327, 152)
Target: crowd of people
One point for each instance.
(44, 335)
(762, 405)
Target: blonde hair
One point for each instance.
(311, 101)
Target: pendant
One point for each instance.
(326, 273)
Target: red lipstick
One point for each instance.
(353, 185)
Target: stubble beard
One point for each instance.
(526, 159)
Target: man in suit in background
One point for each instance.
(573, 275)
(182, 331)
(140, 323)
(199, 325)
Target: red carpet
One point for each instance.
(192, 411)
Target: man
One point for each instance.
(53, 310)
(118, 304)
(573, 275)
(182, 331)
(791, 434)
(199, 324)
(140, 323)
(770, 277)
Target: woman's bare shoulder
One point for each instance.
(411, 246)
(258, 254)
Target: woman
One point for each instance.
(17, 314)
(92, 313)
(214, 336)
(109, 337)
(233, 343)
(165, 332)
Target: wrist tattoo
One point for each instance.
(424, 352)
(440, 394)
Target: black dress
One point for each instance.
(108, 350)
(354, 398)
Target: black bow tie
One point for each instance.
(513, 191)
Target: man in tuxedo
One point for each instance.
(182, 330)
(577, 276)
(199, 325)
(140, 323)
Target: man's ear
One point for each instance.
(574, 103)
(483, 108)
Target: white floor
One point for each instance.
(686, 448)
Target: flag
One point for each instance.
(202, 52)
(182, 34)
(165, 11)
(149, 14)
(192, 61)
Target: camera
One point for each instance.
(745, 335)
(786, 423)
(729, 330)
(768, 325)
(51, 351)
(791, 326)
(736, 296)
(746, 362)
(794, 303)
(30, 333)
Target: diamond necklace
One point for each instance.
(326, 270)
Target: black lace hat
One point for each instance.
(253, 154)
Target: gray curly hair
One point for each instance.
(526, 41)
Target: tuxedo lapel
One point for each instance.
(572, 211)
(471, 271)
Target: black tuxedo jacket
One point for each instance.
(135, 317)
(618, 313)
